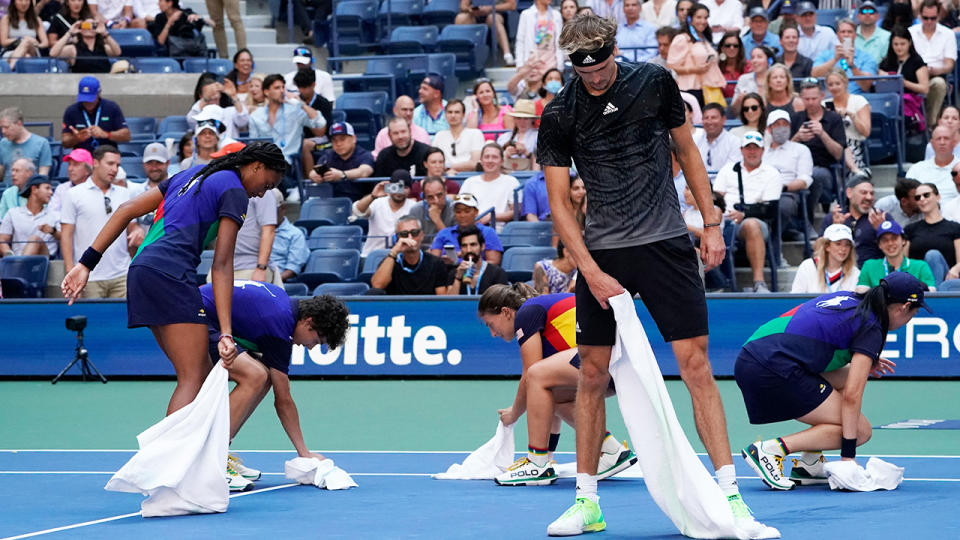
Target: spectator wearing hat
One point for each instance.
(520, 145)
(760, 183)
(402, 108)
(79, 165)
(460, 144)
(429, 113)
(403, 153)
(939, 169)
(474, 275)
(891, 242)
(847, 58)
(93, 120)
(822, 131)
(937, 45)
(233, 117)
(87, 47)
(725, 16)
(290, 251)
(303, 59)
(18, 142)
(343, 162)
(902, 207)
(784, 15)
(207, 140)
(795, 164)
(493, 188)
(407, 269)
(465, 211)
(871, 39)
(32, 228)
(758, 34)
(861, 217)
(798, 64)
(814, 38)
(435, 211)
(156, 162)
(717, 146)
(20, 172)
(383, 207)
(833, 266)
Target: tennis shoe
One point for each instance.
(583, 516)
(767, 465)
(744, 520)
(236, 482)
(615, 462)
(808, 474)
(524, 472)
(250, 474)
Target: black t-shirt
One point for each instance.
(832, 124)
(800, 68)
(348, 188)
(322, 106)
(619, 142)
(908, 69)
(940, 236)
(60, 24)
(91, 61)
(424, 278)
(492, 275)
(388, 160)
(180, 28)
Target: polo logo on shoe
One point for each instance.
(771, 468)
(533, 472)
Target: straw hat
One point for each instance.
(524, 108)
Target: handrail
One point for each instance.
(636, 51)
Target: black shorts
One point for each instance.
(155, 298)
(666, 276)
(770, 397)
(575, 362)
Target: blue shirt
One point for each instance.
(263, 318)
(107, 115)
(535, 197)
(287, 129)
(451, 236)
(432, 125)
(187, 220)
(290, 251)
(823, 39)
(639, 34)
(35, 148)
(553, 316)
(769, 40)
(862, 59)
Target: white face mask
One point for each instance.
(780, 135)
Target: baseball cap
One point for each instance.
(866, 4)
(903, 287)
(341, 128)
(806, 7)
(302, 55)
(435, 81)
(79, 155)
(88, 90)
(758, 12)
(837, 232)
(228, 149)
(778, 114)
(155, 152)
(34, 180)
(788, 7)
(751, 137)
(466, 199)
(210, 117)
(891, 227)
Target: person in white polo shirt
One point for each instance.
(937, 170)
(795, 164)
(86, 209)
(937, 45)
(745, 183)
(30, 229)
(717, 146)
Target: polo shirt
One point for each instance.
(421, 211)
(470, 139)
(84, 206)
(760, 184)
(382, 222)
(535, 199)
(639, 34)
(793, 160)
(800, 67)
(261, 211)
(862, 59)
(876, 46)
(722, 150)
(451, 236)
(20, 223)
(422, 278)
(928, 171)
(876, 269)
(769, 40)
(290, 251)
(423, 119)
(864, 236)
(348, 188)
(35, 148)
(56, 201)
(832, 124)
(729, 14)
(612, 10)
(107, 115)
(891, 206)
(823, 39)
(287, 129)
(939, 47)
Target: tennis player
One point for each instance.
(811, 364)
(614, 120)
(543, 326)
(191, 208)
(266, 324)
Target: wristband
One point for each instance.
(90, 258)
(226, 335)
(705, 225)
(848, 448)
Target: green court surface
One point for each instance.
(415, 415)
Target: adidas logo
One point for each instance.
(588, 60)
(609, 109)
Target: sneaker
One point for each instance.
(508, 59)
(760, 287)
(236, 482)
(583, 516)
(611, 464)
(768, 466)
(807, 474)
(744, 520)
(246, 472)
(524, 472)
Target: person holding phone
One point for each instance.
(845, 56)
(86, 47)
(822, 131)
(343, 162)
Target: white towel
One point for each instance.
(675, 476)
(485, 462)
(182, 459)
(323, 474)
(850, 476)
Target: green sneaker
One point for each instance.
(744, 520)
(583, 516)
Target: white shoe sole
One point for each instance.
(756, 468)
(619, 468)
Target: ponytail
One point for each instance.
(874, 302)
(497, 297)
(264, 152)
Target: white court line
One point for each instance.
(124, 516)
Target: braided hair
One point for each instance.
(264, 152)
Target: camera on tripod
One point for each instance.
(76, 323)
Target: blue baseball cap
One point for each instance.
(903, 287)
(302, 55)
(35, 180)
(89, 90)
(341, 128)
(891, 227)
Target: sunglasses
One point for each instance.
(929, 18)
(211, 123)
(108, 208)
(731, 45)
(868, 11)
(411, 232)
(751, 108)
(453, 149)
(927, 194)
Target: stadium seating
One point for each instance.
(380, 75)
(157, 65)
(321, 212)
(886, 114)
(24, 276)
(829, 17)
(296, 289)
(440, 12)
(312, 189)
(142, 128)
(330, 265)
(355, 22)
(335, 236)
(527, 234)
(133, 166)
(443, 64)
(412, 40)
(4, 67)
(371, 262)
(401, 13)
(41, 65)
(134, 42)
(365, 112)
(132, 149)
(218, 66)
(518, 262)
(342, 289)
(469, 43)
(206, 262)
(173, 123)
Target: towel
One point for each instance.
(675, 476)
(485, 462)
(323, 474)
(850, 476)
(181, 462)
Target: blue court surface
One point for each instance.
(59, 494)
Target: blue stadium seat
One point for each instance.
(134, 42)
(440, 12)
(133, 166)
(886, 113)
(132, 149)
(412, 39)
(4, 67)
(342, 289)
(518, 262)
(330, 265)
(402, 13)
(41, 65)
(321, 212)
(365, 112)
(469, 43)
(312, 189)
(356, 23)
(24, 276)
(157, 65)
(443, 64)
(336, 237)
(142, 128)
(296, 289)
(371, 262)
(218, 66)
(380, 75)
(173, 123)
(527, 234)
(829, 17)
(206, 262)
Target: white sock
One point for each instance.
(540, 460)
(610, 445)
(587, 486)
(772, 446)
(727, 479)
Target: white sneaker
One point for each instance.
(760, 287)
(508, 59)
(236, 482)
(584, 516)
(614, 462)
(769, 467)
(524, 472)
(246, 472)
(806, 474)
(744, 520)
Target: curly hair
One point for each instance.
(587, 32)
(328, 316)
(264, 152)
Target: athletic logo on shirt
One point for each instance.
(833, 302)
(609, 109)
(822, 387)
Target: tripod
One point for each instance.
(86, 366)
